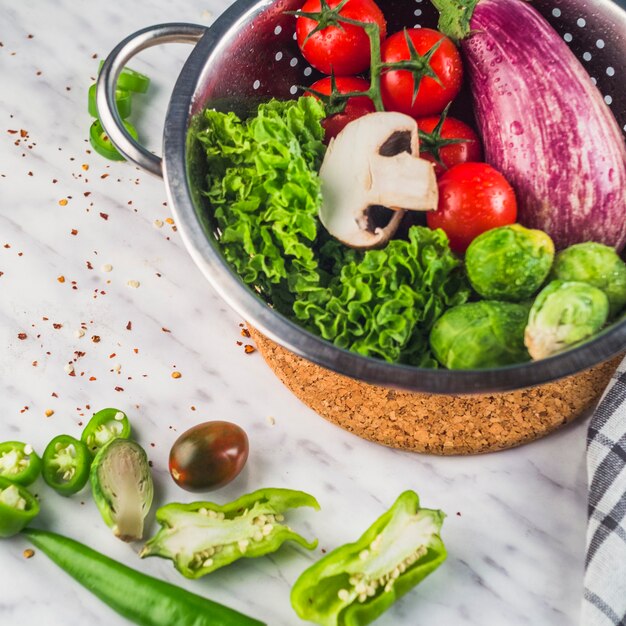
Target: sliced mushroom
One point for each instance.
(374, 162)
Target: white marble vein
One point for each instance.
(515, 526)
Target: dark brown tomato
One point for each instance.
(208, 456)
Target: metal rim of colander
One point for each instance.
(206, 254)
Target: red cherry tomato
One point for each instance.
(469, 150)
(343, 49)
(473, 198)
(208, 456)
(355, 107)
(398, 86)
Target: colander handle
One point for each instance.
(113, 65)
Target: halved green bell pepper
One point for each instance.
(19, 462)
(203, 536)
(105, 425)
(18, 507)
(354, 584)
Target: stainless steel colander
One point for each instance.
(250, 55)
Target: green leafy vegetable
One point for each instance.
(384, 302)
(264, 190)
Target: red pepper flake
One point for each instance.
(248, 349)
(57, 326)
(21, 336)
(136, 350)
(104, 176)
(63, 202)
(176, 375)
(35, 364)
(24, 409)
(13, 132)
(85, 166)
(166, 330)
(92, 378)
(23, 133)
(7, 245)
(129, 326)
(20, 254)
(61, 279)
(112, 355)
(38, 73)
(86, 193)
(89, 265)
(153, 445)
(30, 173)
(119, 389)
(54, 394)
(74, 232)
(54, 181)
(240, 343)
(95, 339)
(245, 332)
(104, 216)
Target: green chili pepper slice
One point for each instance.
(17, 507)
(101, 143)
(203, 536)
(131, 80)
(105, 425)
(122, 99)
(356, 583)
(19, 462)
(66, 463)
(140, 598)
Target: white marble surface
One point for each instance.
(516, 520)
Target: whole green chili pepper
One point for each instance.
(139, 598)
(18, 507)
(202, 537)
(105, 425)
(356, 583)
(19, 462)
(66, 463)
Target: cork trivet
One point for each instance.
(437, 424)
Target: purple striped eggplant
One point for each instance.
(543, 122)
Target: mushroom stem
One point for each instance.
(402, 182)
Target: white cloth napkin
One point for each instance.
(604, 601)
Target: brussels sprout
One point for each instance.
(479, 335)
(122, 487)
(564, 314)
(598, 265)
(509, 263)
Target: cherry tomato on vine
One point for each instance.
(449, 143)
(334, 47)
(434, 58)
(355, 107)
(473, 198)
(208, 456)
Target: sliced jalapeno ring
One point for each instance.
(17, 507)
(131, 80)
(66, 463)
(122, 99)
(19, 462)
(102, 144)
(105, 425)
